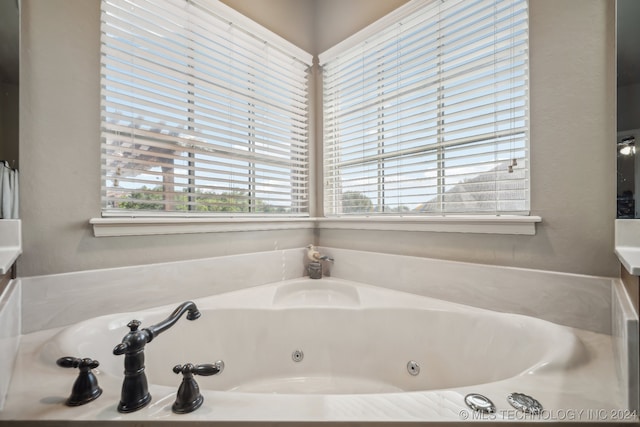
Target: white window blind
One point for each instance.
(203, 111)
(426, 112)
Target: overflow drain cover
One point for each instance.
(480, 403)
(525, 403)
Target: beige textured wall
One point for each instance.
(290, 19)
(338, 19)
(314, 25)
(572, 125)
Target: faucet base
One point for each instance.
(186, 407)
(126, 407)
(86, 396)
(315, 270)
(85, 388)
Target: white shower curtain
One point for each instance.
(8, 191)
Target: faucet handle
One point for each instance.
(85, 388)
(205, 369)
(134, 325)
(76, 362)
(188, 398)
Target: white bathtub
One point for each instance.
(357, 341)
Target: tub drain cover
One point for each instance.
(525, 403)
(480, 403)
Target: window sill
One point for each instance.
(489, 224)
(508, 224)
(146, 226)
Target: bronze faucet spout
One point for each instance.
(160, 327)
(135, 394)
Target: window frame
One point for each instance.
(140, 224)
(255, 155)
(334, 166)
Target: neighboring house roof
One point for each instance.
(482, 192)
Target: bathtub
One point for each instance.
(334, 350)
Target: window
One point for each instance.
(426, 112)
(203, 112)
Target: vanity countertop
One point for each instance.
(627, 244)
(7, 257)
(10, 243)
(629, 256)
